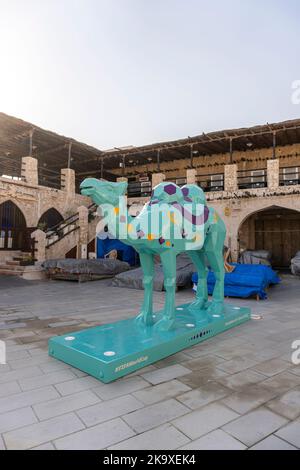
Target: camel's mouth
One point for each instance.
(86, 189)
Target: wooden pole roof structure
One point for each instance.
(19, 138)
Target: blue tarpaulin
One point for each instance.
(128, 253)
(246, 280)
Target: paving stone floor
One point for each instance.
(238, 390)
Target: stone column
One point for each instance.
(230, 177)
(40, 245)
(83, 222)
(67, 181)
(157, 178)
(273, 173)
(191, 175)
(29, 170)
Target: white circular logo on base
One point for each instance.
(109, 353)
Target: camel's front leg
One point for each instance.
(168, 260)
(147, 263)
(198, 259)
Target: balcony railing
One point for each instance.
(210, 183)
(289, 176)
(139, 188)
(180, 180)
(251, 179)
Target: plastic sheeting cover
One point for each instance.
(108, 267)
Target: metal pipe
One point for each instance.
(274, 144)
(30, 141)
(69, 154)
(101, 167)
(230, 149)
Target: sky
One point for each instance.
(113, 73)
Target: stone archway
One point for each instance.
(50, 218)
(275, 229)
(13, 230)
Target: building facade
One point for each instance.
(250, 176)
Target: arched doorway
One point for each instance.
(13, 233)
(50, 218)
(275, 229)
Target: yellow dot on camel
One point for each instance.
(129, 228)
(150, 236)
(172, 218)
(216, 217)
(116, 210)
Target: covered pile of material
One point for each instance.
(256, 257)
(93, 268)
(134, 278)
(295, 264)
(245, 281)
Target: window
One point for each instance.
(217, 182)
(180, 181)
(258, 178)
(290, 175)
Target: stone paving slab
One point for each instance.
(160, 392)
(107, 410)
(164, 437)
(273, 443)
(165, 374)
(201, 422)
(215, 440)
(204, 395)
(288, 405)
(98, 437)
(121, 387)
(39, 433)
(17, 419)
(254, 426)
(155, 415)
(20, 400)
(291, 433)
(248, 399)
(62, 405)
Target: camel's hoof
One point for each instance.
(216, 309)
(165, 325)
(200, 304)
(143, 320)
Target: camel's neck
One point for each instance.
(117, 219)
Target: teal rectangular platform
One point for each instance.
(111, 351)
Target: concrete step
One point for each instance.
(29, 273)
(12, 267)
(10, 272)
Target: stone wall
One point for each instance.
(33, 200)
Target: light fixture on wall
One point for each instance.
(249, 144)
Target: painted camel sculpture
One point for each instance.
(175, 220)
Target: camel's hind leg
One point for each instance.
(213, 248)
(198, 258)
(168, 260)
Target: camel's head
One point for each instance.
(103, 192)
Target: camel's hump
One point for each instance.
(169, 192)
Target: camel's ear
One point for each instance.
(122, 188)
